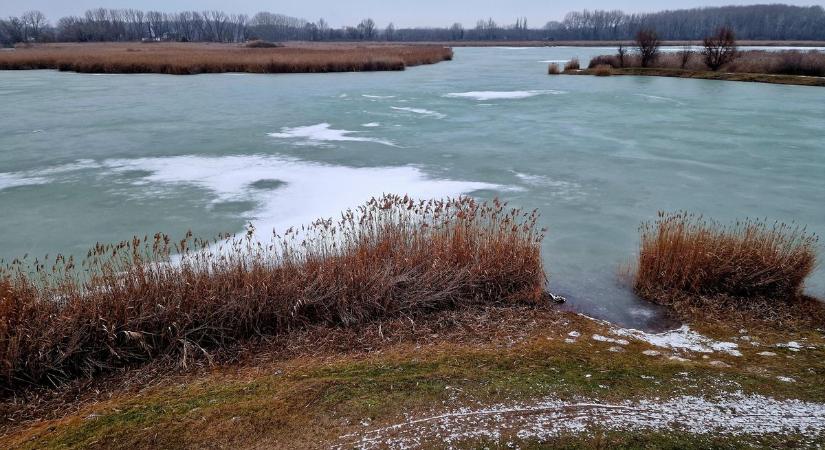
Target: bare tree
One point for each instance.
(621, 52)
(389, 32)
(720, 48)
(457, 32)
(648, 43)
(684, 56)
(366, 29)
(33, 22)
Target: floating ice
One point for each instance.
(321, 133)
(423, 112)
(501, 95)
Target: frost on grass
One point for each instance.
(735, 415)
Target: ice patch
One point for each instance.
(423, 112)
(371, 125)
(501, 95)
(565, 190)
(10, 180)
(682, 339)
(310, 190)
(321, 133)
(378, 97)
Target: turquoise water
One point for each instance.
(88, 158)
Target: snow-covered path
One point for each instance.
(735, 414)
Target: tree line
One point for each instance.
(769, 22)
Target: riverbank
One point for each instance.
(797, 80)
(190, 59)
(482, 376)
(627, 43)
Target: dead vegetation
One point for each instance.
(787, 62)
(751, 267)
(188, 59)
(130, 303)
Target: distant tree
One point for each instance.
(366, 29)
(621, 52)
(389, 32)
(648, 44)
(34, 22)
(684, 56)
(457, 32)
(720, 48)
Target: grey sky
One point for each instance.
(401, 12)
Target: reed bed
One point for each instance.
(147, 298)
(553, 69)
(188, 59)
(790, 62)
(572, 65)
(683, 256)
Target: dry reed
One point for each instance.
(146, 298)
(572, 65)
(187, 59)
(684, 255)
(603, 70)
(790, 62)
(553, 69)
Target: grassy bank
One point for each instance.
(781, 67)
(187, 59)
(710, 75)
(346, 385)
(413, 324)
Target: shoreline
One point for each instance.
(795, 80)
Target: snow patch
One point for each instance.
(734, 415)
(682, 339)
(322, 133)
(421, 111)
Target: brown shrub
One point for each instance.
(683, 254)
(605, 60)
(135, 301)
(573, 64)
(185, 59)
(553, 69)
(603, 70)
(262, 44)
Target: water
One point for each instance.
(88, 158)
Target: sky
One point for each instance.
(404, 13)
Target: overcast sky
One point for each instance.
(402, 12)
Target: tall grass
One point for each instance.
(134, 301)
(789, 62)
(572, 65)
(685, 254)
(186, 59)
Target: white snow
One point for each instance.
(600, 338)
(421, 111)
(323, 132)
(682, 339)
(735, 415)
(792, 346)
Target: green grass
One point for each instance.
(301, 402)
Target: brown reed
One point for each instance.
(188, 59)
(147, 298)
(683, 254)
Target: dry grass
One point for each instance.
(130, 303)
(791, 62)
(553, 69)
(186, 59)
(572, 65)
(603, 70)
(262, 44)
(686, 254)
